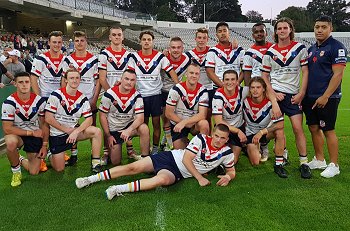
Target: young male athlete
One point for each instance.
(187, 107)
(64, 108)
(203, 154)
(148, 64)
(23, 125)
(281, 67)
(121, 117)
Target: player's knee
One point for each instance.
(203, 126)
(11, 144)
(314, 128)
(255, 161)
(143, 129)
(279, 134)
(58, 168)
(298, 129)
(163, 180)
(34, 171)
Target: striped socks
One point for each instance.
(101, 176)
(279, 160)
(129, 187)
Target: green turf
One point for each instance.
(256, 200)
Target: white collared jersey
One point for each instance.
(24, 115)
(49, 71)
(88, 69)
(199, 58)
(284, 65)
(222, 59)
(258, 116)
(147, 68)
(121, 109)
(114, 63)
(179, 67)
(207, 157)
(187, 102)
(67, 109)
(252, 60)
(230, 107)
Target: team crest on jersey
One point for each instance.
(138, 64)
(294, 53)
(17, 111)
(126, 60)
(219, 55)
(71, 65)
(204, 150)
(63, 102)
(78, 106)
(322, 124)
(115, 102)
(110, 59)
(225, 105)
(183, 98)
(155, 63)
(88, 66)
(275, 57)
(321, 53)
(48, 66)
(254, 56)
(34, 109)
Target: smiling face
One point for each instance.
(73, 79)
(201, 40)
(259, 34)
(55, 43)
(230, 81)
(176, 49)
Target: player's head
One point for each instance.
(283, 29)
(192, 74)
(116, 35)
(259, 32)
(80, 40)
(257, 87)
(22, 82)
(176, 47)
(202, 36)
(146, 38)
(55, 41)
(72, 78)
(230, 80)
(323, 28)
(128, 80)
(220, 135)
(222, 32)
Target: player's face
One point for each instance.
(80, 43)
(128, 81)
(259, 34)
(223, 34)
(23, 84)
(116, 36)
(201, 39)
(147, 42)
(256, 90)
(55, 43)
(283, 30)
(192, 75)
(230, 81)
(176, 48)
(322, 30)
(73, 79)
(220, 138)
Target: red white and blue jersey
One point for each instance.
(179, 67)
(88, 69)
(199, 58)
(230, 107)
(67, 109)
(24, 115)
(114, 62)
(49, 71)
(284, 65)
(121, 109)
(187, 102)
(207, 157)
(321, 59)
(258, 116)
(252, 60)
(223, 59)
(148, 68)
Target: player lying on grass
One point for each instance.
(203, 154)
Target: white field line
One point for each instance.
(160, 211)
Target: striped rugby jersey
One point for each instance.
(252, 59)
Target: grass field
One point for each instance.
(256, 200)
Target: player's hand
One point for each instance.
(2, 85)
(279, 96)
(125, 134)
(69, 130)
(296, 99)
(93, 106)
(257, 137)
(276, 111)
(203, 182)
(179, 126)
(320, 102)
(111, 141)
(242, 137)
(42, 153)
(165, 52)
(234, 43)
(72, 138)
(224, 180)
(38, 133)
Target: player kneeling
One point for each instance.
(23, 125)
(64, 108)
(203, 154)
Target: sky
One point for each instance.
(264, 6)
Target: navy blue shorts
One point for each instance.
(211, 94)
(152, 105)
(32, 144)
(117, 134)
(179, 135)
(165, 160)
(325, 117)
(164, 98)
(58, 144)
(263, 140)
(234, 139)
(287, 107)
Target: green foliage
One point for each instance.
(254, 16)
(301, 18)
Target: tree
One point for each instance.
(337, 9)
(300, 16)
(254, 16)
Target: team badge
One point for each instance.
(78, 106)
(118, 63)
(322, 124)
(17, 111)
(88, 66)
(294, 54)
(204, 150)
(284, 59)
(341, 52)
(254, 56)
(155, 63)
(314, 59)
(275, 57)
(219, 55)
(34, 109)
(110, 59)
(138, 63)
(115, 102)
(146, 67)
(123, 107)
(225, 105)
(71, 65)
(321, 53)
(48, 66)
(126, 60)
(183, 98)
(63, 103)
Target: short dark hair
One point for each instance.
(291, 25)
(258, 24)
(21, 74)
(324, 18)
(55, 33)
(176, 39)
(73, 69)
(222, 127)
(222, 23)
(193, 65)
(130, 71)
(146, 32)
(230, 72)
(202, 30)
(79, 34)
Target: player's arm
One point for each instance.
(50, 119)
(173, 76)
(211, 74)
(300, 96)
(271, 94)
(34, 84)
(138, 120)
(10, 129)
(170, 113)
(278, 124)
(106, 131)
(187, 161)
(219, 120)
(225, 179)
(338, 73)
(247, 75)
(46, 131)
(103, 79)
(201, 115)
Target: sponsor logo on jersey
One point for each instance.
(321, 53)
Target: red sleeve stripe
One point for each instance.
(38, 72)
(11, 115)
(267, 67)
(54, 108)
(246, 66)
(211, 63)
(131, 68)
(87, 112)
(103, 65)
